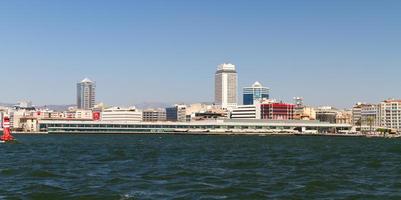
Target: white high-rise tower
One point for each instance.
(226, 86)
(86, 94)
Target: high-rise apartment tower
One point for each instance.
(86, 94)
(226, 86)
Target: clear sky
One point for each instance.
(329, 52)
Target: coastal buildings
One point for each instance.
(154, 115)
(390, 114)
(255, 92)
(304, 113)
(29, 124)
(366, 116)
(83, 114)
(370, 116)
(327, 114)
(246, 112)
(357, 114)
(344, 117)
(199, 127)
(258, 106)
(264, 109)
(177, 113)
(226, 86)
(277, 111)
(120, 114)
(86, 94)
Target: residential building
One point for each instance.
(154, 115)
(86, 94)
(370, 115)
(304, 113)
(344, 117)
(390, 114)
(29, 124)
(119, 114)
(15, 116)
(255, 92)
(226, 86)
(357, 114)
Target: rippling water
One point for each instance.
(199, 167)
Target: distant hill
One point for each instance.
(50, 107)
(146, 105)
(7, 104)
(56, 107)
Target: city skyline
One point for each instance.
(321, 47)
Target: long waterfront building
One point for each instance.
(212, 126)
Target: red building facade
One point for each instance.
(277, 111)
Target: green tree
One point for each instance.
(370, 120)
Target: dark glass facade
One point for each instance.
(249, 98)
(172, 114)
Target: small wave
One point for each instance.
(42, 174)
(8, 172)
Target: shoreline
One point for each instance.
(211, 133)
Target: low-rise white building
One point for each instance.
(246, 112)
(120, 114)
(390, 114)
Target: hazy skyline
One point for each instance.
(329, 52)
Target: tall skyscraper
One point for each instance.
(226, 86)
(256, 91)
(86, 94)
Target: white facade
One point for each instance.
(369, 115)
(390, 114)
(86, 94)
(83, 114)
(226, 86)
(246, 112)
(118, 114)
(357, 113)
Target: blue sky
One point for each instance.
(329, 52)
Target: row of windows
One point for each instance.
(98, 127)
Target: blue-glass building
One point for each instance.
(176, 113)
(256, 91)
